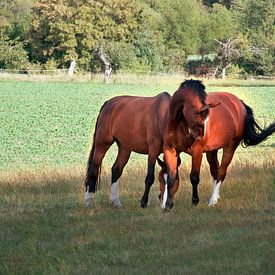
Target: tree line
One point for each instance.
(145, 35)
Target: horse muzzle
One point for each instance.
(169, 204)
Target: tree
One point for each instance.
(62, 29)
(217, 24)
(12, 54)
(256, 21)
(227, 53)
(181, 23)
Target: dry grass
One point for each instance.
(45, 228)
(160, 79)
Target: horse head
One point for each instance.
(163, 175)
(188, 106)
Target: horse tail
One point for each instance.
(253, 132)
(91, 181)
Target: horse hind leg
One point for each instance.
(212, 158)
(117, 169)
(150, 177)
(226, 160)
(95, 159)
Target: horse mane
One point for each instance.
(177, 102)
(195, 85)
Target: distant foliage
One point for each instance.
(12, 54)
(150, 35)
(75, 28)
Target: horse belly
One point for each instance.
(217, 139)
(132, 141)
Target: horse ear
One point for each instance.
(213, 104)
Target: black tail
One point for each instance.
(253, 133)
(91, 181)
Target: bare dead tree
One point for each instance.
(228, 52)
(107, 65)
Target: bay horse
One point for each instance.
(195, 127)
(135, 124)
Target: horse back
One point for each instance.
(226, 121)
(134, 121)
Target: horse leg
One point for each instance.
(163, 180)
(117, 169)
(150, 177)
(212, 158)
(195, 171)
(226, 159)
(171, 160)
(97, 154)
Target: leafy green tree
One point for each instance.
(61, 29)
(217, 24)
(226, 3)
(12, 54)
(15, 17)
(256, 21)
(14, 20)
(182, 21)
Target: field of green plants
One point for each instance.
(45, 135)
(51, 124)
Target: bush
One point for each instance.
(173, 60)
(12, 54)
(201, 67)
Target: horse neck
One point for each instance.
(177, 127)
(176, 118)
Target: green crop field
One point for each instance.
(45, 135)
(51, 124)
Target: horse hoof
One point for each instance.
(169, 205)
(88, 200)
(116, 203)
(88, 205)
(195, 201)
(143, 204)
(212, 202)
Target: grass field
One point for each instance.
(45, 137)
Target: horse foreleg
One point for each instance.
(117, 169)
(149, 180)
(171, 160)
(226, 159)
(195, 171)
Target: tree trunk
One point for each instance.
(223, 73)
(107, 65)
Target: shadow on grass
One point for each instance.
(46, 229)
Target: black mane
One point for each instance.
(197, 86)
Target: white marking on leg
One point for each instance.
(114, 196)
(165, 194)
(205, 125)
(88, 198)
(216, 193)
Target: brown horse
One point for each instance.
(135, 124)
(194, 127)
